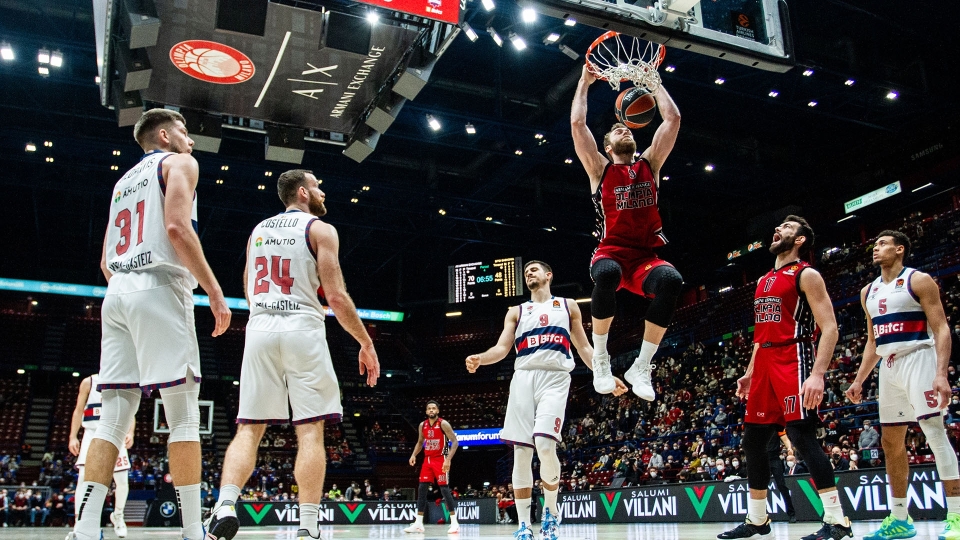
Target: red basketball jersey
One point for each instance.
(626, 203)
(781, 314)
(434, 440)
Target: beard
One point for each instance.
(316, 206)
(624, 147)
(785, 244)
(533, 285)
(432, 416)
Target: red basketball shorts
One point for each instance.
(774, 398)
(432, 469)
(634, 264)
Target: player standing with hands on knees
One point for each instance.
(783, 384)
(152, 260)
(907, 332)
(541, 331)
(435, 433)
(625, 193)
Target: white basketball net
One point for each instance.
(620, 58)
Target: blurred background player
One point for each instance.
(439, 444)
(908, 332)
(541, 331)
(87, 414)
(625, 193)
(783, 384)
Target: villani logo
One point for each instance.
(610, 502)
(700, 498)
(813, 495)
(259, 241)
(352, 510)
(258, 511)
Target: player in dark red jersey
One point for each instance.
(435, 433)
(625, 192)
(783, 384)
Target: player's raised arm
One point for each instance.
(499, 351)
(324, 237)
(579, 339)
(815, 290)
(929, 295)
(583, 142)
(666, 135)
(870, 356)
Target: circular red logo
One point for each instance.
(212, 62)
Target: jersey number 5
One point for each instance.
(882, 305)
(125, 222)
(279, 271)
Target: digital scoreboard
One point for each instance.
(501, 278)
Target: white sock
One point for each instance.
(832, 512)
(188, 498)
(228, 494)
(123, 490)
(309, 518)
(523, 511)
(898, 507)
(419, 520)
(756, 508)
(550, 501)
(600, 343)
(647, 350)
(953, 505)
(89, 504)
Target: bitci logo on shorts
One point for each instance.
(212, 62)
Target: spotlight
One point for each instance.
(6, 51)
(708, 167)
(49, 160)
(496, 37)
(489, 218)
(665, 178)
(812, 104)
(469, 31)
(43, 56)
(552, 37)
(114, 168)
(850, 82)
(719, 80)
(354, 200)
(433, 122)
(807, 72)
(488, 5)
(21, 371)
(568, 161)
(43, 70)
(570, 22)
(449, 314)
(518, 152)
(48, 144)
(892, 95)
(219, 181)
(470, 129)
(773, 93)
(670, 69)
(365, 188)
(76, 374)
(261, 187)
(538, 136)
(268, 173)
(442, 212)
(224, 167)
(96, 79)
(56, 59)
(30, 147)
(116, 152)
(518, 42)
(528, 15)
(236, 383)
(372, 17)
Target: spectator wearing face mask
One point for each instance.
(839, 462)
(653, 477)
(736, 470)
(869, 438)
(721, 473)
(794, 466)
(953, 410)
(852, 464)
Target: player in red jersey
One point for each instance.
(784, 381)
(435, 433)
(625, 192)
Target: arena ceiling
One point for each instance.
(768, 152)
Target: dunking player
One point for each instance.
(435, 433)
(290, 256)
(908, 330)
(625, 192)
(87, 414)
(783, 384)
(540, 331)
(152, 259)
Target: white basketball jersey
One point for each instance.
(282, 267)
(543, 336)
(91, 413)
(136, 233)
(899, 323)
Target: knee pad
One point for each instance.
(803, 435)
(606, 274)
(755, 439)
(943, 451)
(182, 409)
(117, 414)
(522, 467)
(549, 462)
(664, 283)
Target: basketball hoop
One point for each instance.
(618, 58)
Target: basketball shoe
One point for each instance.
(550, 526)
(523, 533)
(454, 525)
(416, 527)
(639, 378)
(222, 523)
(73, 536)
(831, 531)
(747, 530)
(303, 533)
(603, 381)
(119, 526)
(951, 527)
(893, 528)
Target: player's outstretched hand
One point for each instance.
(221, 313)
(588, 76)
(74, 446)
(369, 364)
(812, 392)
(473, 362)
(743, 386)
(621, 388)
(855, 392)
(942, 388)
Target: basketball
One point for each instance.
(636, 107)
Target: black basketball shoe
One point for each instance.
(831, 531)
(747, 530)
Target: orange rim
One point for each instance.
(661, 54)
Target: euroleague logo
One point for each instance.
(212, 62)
